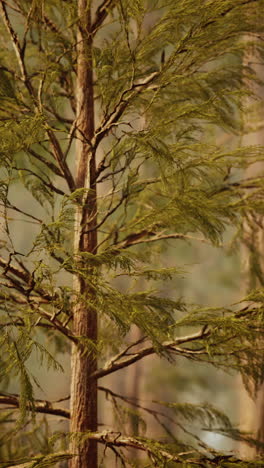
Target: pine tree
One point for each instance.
(103, 196)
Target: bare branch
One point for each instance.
(113, 365)
(56, 323)
(59, 156)
(49, 185)
(19, 298)
(102, 166)
(135, 90)
(116, 439)
(49, 164)
(19, 323)
(44, 18)
(109, 213)
(17, 272)
(40, 406)
(34, 303)
(101, 14)
(9, 206)
(12, 7)
(156, 414)
(20, 276)
(59, 117)
(141, 238)
(14, 38)
(20, 51)
(25, 298)
(125, 351)
(51, 25)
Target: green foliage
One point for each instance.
(205, 414)
(38, 462)
(169, 83)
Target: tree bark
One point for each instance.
(84, 389)
(253, 245)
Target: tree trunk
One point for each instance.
(83, 389)
(253, 255)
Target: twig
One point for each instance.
(49, 185)
(59, 156)
(49, 164)
(101, 13)
(56, 323)
(18, 323)
(15, 41)
(8, 4)
(20, 274)
(19, 298)
(9, 206)
(112, 118)
(124, 352)
(20, 52)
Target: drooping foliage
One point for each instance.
(169, 85)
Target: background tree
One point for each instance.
(76, 79)
(252, 245)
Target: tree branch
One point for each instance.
(49, 184)
(17, 272)
(40, 406)
(25, 276)
(9, 206)
(111, 119)
(12, 7)
(56, 323)
(116, 439)
(137, 88)
(14, 38)
(101, 14)
(140, 238)
(35, 303)
(20, 299)
(158, 415)
(228, 10)
(49, 164)
(113, 365)
(59, 156)
(20, 51)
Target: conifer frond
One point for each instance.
(206, 415)
(41, 461)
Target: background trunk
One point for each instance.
(252, 414)
(83, 389)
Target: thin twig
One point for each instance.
(101, 14)
(16, 45)
(9, 206)
(49, 185)
(59, 156)
(43, 160)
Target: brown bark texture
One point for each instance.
(253, 252)
(83, 388)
